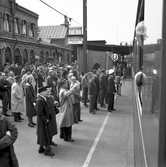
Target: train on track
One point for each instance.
(149, 52)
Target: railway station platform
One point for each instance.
(101, 140)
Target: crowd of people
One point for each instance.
(46, 89)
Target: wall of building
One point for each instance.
(94, 57)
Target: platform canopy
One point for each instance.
(100, 45)
(119, 49)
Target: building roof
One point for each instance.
(47, 42)
(58, 31)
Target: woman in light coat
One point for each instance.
(17, 102)
(66, 118)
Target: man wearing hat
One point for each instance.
(110, 90)
(43, 118)
(17, 102)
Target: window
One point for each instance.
(17, 25)
(24, 27)
(25, 56)
(32, 57)
(41, 57)
(31, 30)
(7, 23)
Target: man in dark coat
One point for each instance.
(111, 90)
(84, 83)
(8, 135)
(5, 90)
(52, 124)
(92, 94)
(103, 87)
(43, 118)
(96, 78)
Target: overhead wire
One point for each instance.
(60, 13)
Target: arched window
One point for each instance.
(53, 55)
(32, 57)
(17, 57)
(7, 23)
(8, 55)
(68, 58)
(41, 57)
(47, 55)
(25, 56)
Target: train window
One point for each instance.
(152, 57)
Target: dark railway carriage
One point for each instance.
(150, 52)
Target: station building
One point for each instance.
(20, 39)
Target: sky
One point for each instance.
(109, 20)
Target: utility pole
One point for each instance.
(85, 34)
(117, 36)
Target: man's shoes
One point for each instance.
(70, 140)
(61, 137)
(97, 109)
(113, 109)
(48, 153)
(109, 111)
(41, 150)
(54, 144)
(86, 105)
(7, 115)
(80, 120)
(17, 120)
(31, 125)
(93, 112)
(34, 123)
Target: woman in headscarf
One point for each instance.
(66, 119)
(30, 96)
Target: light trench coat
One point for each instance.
(17, 101)
(66, 118)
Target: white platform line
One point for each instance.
(89, 156)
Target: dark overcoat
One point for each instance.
(111, 85)
(43, 114)
(30, 97)
(7, 154)
(40, 80)
(52, 124)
